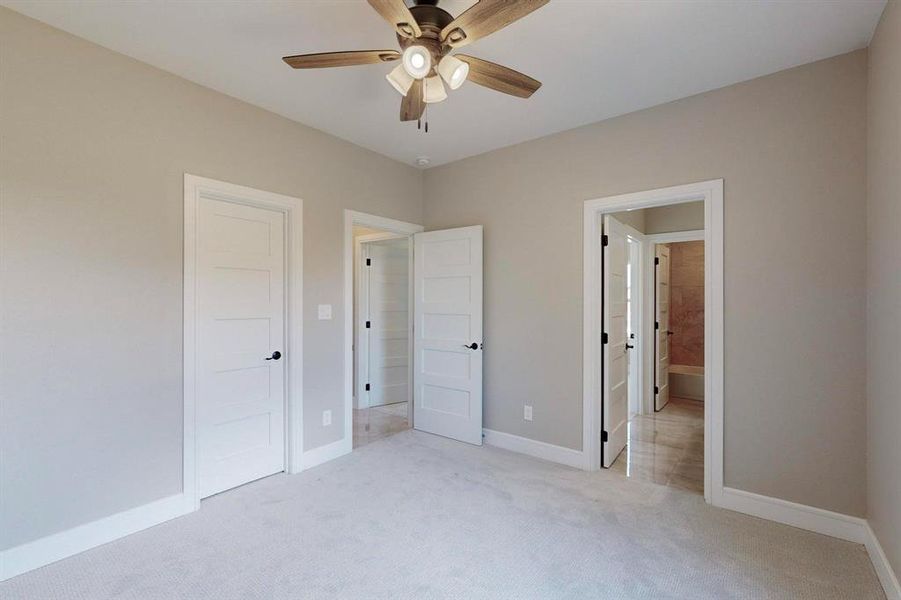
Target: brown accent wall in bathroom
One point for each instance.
(687, 302)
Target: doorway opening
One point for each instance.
(443, 384)
(653, 336)
(664, 437)
(382, 334)
(381, 328)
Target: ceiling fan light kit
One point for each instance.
(433, 90)
(400, 79)
(427, 34)
(417, 61)
(453, 70)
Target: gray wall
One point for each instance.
(93, 152)
(688, 216)
(884, 285)
(791, 148)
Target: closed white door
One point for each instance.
(447, 365)
(616, 342)
(386, 277)
(240, 339)
(662, 326)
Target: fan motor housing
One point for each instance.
(431, 20)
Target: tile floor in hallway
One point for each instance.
(379, 422)
(667, 447)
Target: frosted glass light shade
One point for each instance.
(417, 61)
(433, 90)
(453, 70)
(400, 79)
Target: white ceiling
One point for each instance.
(597, 59)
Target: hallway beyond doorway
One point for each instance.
(371, 424)
(667, 447)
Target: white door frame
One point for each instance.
(361, 299)
(351, 218)
(694, 235)
(196, 188)
(711, 193)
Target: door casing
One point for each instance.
(711, 193)
(649, 354)
(195, 188)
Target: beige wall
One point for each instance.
(633, 218)
(884, 285)
(791, 148)
(94, 147)
(687, 216)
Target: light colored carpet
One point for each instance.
(417, 516)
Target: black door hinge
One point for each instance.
(603, 436)
(604, 338)
(656, 260)
(604, 240)
(367, 387)
(368, 325)
(368, 262)
(656, 324)
(656, 390)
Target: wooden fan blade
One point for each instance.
(499, 78)
(399, 16)
(412, 106)
(484, 18)
(341, 59)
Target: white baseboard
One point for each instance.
(853, 529)
(323, 454)
(845, 527)
(883, 568)
(49, 549)
(545, 451)
(64, 544)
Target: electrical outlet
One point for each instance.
(527, 412)
(326, 418)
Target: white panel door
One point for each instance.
(616, 359)
(447, 365)
(240, 308)
(386, 276)
(662, 326)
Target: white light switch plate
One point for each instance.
(326, 418)
(527, 412)
(325, 312)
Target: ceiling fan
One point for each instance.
(427, 34)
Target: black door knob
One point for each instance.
(472, 346)
(275, 355)
(629, 346)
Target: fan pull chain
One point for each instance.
(419, 120)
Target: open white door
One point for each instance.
(616, 370)
(661, 326)
(447, 348)
(387, 292)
